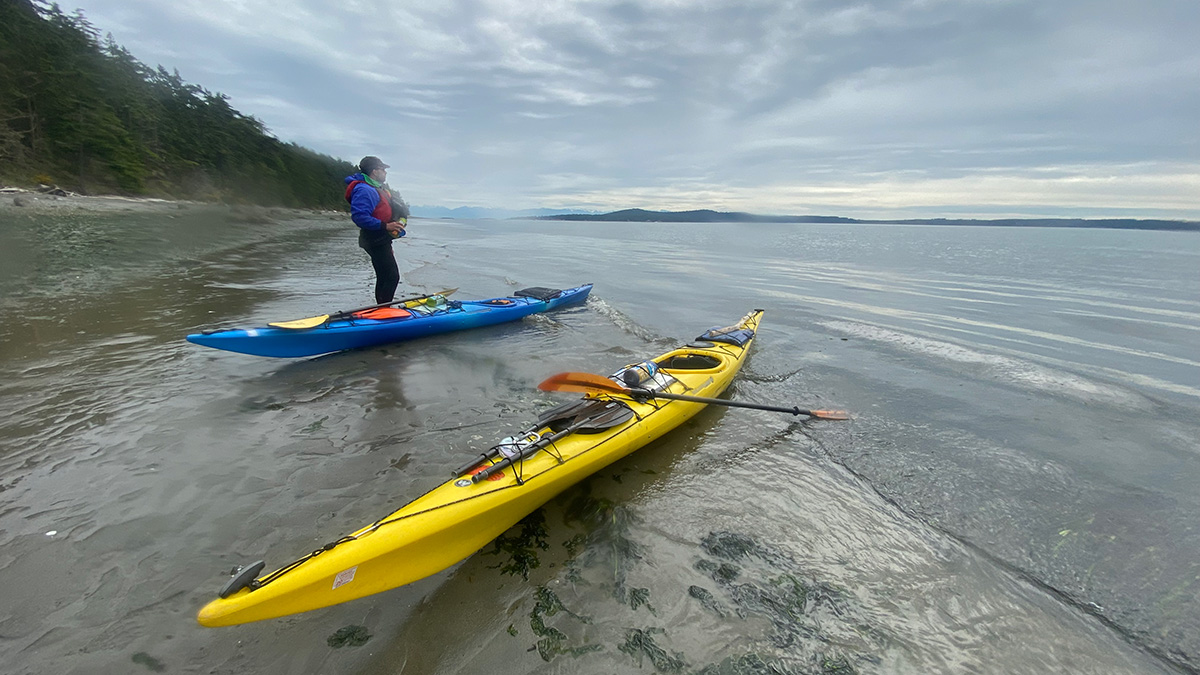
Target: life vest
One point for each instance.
(383, 210)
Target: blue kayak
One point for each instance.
(376, 326)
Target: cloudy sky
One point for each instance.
(873, 108)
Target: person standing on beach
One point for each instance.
(380, 217)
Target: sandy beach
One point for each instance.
(50, 199)
(54, 198)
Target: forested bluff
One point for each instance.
(79, 112)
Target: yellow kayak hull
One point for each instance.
(458, 518)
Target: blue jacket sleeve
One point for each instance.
(363, 201)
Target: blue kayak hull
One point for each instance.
(342, 334)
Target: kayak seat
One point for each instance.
(538, 293)
(499, 302)
(690, 362)
(382, 313)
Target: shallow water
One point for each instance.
(1014, 494)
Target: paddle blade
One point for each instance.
(585, 383)
(830, 414)
(310, 322)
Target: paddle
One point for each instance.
(598, 420)
(588, 383)
(314, 321)
(591, 410)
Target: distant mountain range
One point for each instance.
(709, 216)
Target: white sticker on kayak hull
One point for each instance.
(344, 577)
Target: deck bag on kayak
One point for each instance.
(538, 293)
(729, 335)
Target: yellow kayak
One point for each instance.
(494, 492)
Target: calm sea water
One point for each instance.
(1015, 494)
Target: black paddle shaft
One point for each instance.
(547, 440)
(348, 312)
(524, 452)
(795, 410)
(564, 412)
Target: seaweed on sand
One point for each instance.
(553, 641)
(521, 543)
(640, 645)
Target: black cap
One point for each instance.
(370, 163)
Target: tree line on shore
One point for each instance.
(79, 111)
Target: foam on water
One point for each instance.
(624, 322)
(1006, 368)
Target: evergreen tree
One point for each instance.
(83, 112)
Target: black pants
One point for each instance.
(387, 273)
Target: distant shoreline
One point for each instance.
(53, 199)
(708, 216)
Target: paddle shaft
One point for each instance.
(538, 445)
(525, 452)
(495, 451)
(487, 456)
(591, 384)
(348, 312)
(795, 410)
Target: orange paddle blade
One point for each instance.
(584, 383)
(830, 414)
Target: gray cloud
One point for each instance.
(917, 107)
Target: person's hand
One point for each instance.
(394, 228)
